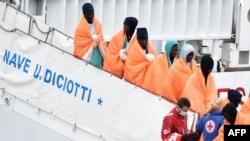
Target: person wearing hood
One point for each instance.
(89, 42)
(179, 73)
(200, 88)
(233, 96)
(158, 68)
(116, 52)
(232, 117)
(139, 55)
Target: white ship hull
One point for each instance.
(48, 94)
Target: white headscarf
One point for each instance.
(185, 50)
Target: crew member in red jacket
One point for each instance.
(176, 120)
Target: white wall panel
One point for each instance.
(156, 18)
(168, 17)
(56, 14)
(108, 16)
(133, 8)
(192, 17)
(71, 16)
(203, 17)
(144, 13)
(226, 16)
(215, 17)
(120, 5)
(2, 10)
(180, 19)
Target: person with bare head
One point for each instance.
(176, 120)
(174, 126)
(211, 122)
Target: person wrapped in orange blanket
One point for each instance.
(88, 39)
(233, 96)
(178, 73)
(245, 108)
(116, 51)
(159, 67)
(200, 88)
(232, 117)
(139, 55)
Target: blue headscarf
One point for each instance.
(168, 47)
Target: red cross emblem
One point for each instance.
(210, 126)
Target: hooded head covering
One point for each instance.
(142, 33)
(169, 45)
(234, 97)
(87, 7)
(207, 64)
(185, 50)
(131, 22)
(229, 112)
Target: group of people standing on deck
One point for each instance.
(210, 125)
(130, 56)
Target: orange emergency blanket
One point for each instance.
(112, 61)
(136, 63)
(83, 38)
(241, 119)
(245, 108)
(175, 80)
(225, 101)
(156, 71)
(199, 93)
